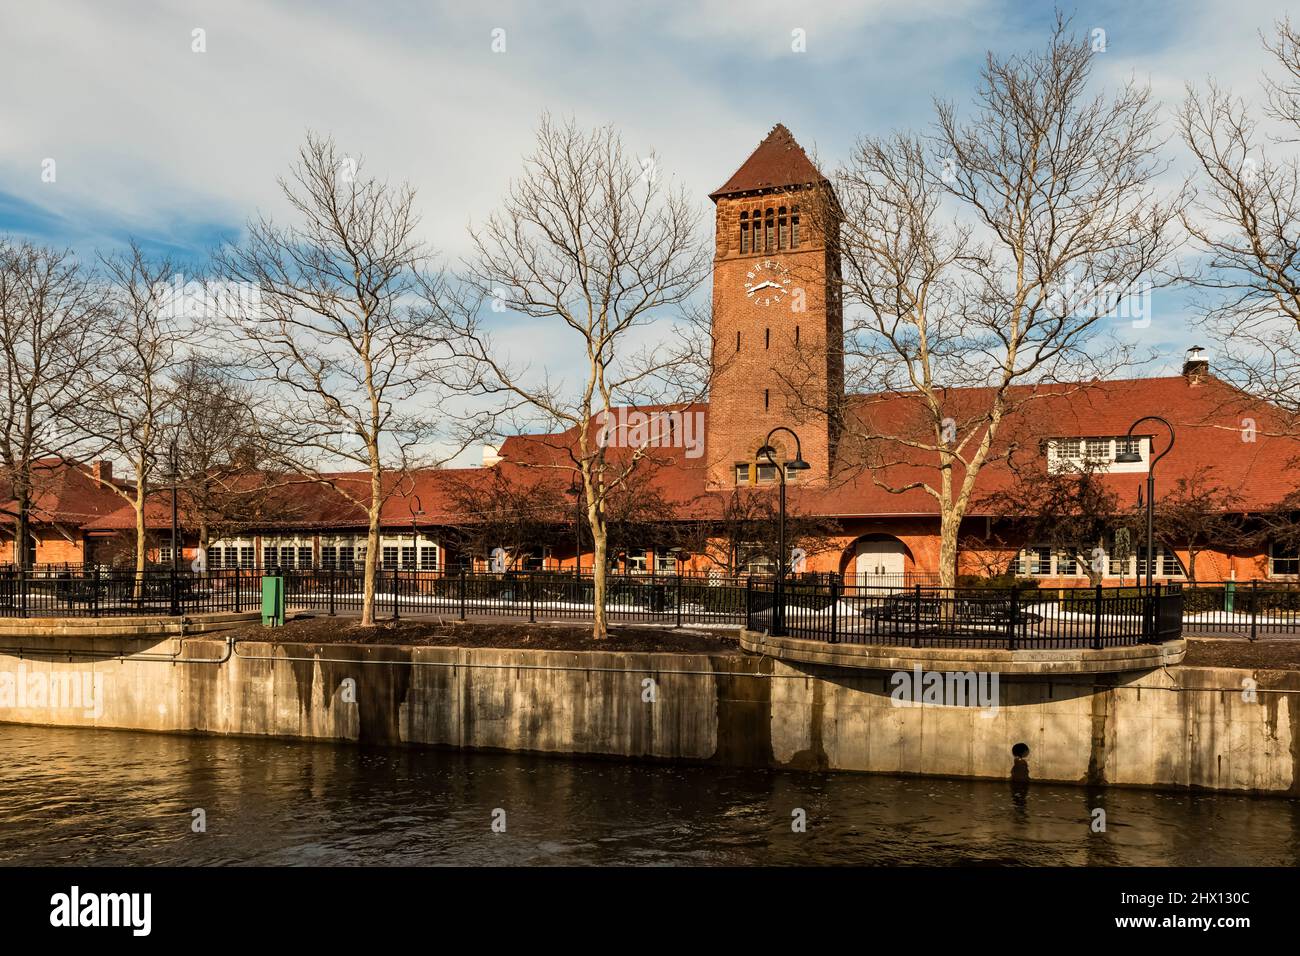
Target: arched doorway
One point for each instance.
(879, 562)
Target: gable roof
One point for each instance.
(1247, 442)
(777, 161)
(63, 491)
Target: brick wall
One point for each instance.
(774, 363)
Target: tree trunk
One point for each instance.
(140, 541)
(372, 547)
(21, 531)
(599, 573)
(948, 526)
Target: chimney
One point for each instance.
(102, 470)
(1196, 368)
(491, 456)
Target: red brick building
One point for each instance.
(777, 362)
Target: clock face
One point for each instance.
(767, 283)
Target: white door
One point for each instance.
(879, 564)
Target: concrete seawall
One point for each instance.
(1172, 727)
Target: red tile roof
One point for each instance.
(1210, 419)
(63, 491)
(1212, 422)
(777, 161)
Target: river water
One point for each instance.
(85, 797)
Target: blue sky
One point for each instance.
(178, 148)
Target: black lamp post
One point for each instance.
(1133, 457)
(798, 464)
(175, 480)
(416, 507)
(576, 490)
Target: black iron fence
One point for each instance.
(810, 606)
(530, 595)
(97, 592)
(1014, 618)
(1252, 609)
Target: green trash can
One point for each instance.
(273, 601)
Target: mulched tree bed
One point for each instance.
(1260, 655)
(1275, 654)
(505, 634)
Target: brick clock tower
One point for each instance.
(778, 328)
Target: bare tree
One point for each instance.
(593, 246)
(1246, 224)
(51, 329)
(1200, 512)
(745, 531)
(489, 510)
(980, 263)
(1068, 508)
(352, 354)
(133, 401)
(222, 456)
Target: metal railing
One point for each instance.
(812, 607)
(1251, 609)
(1013, 618)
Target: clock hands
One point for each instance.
(765, 284)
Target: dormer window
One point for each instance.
(1098, 449)
(1100, 452)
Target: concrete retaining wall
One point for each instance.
(1175, 727)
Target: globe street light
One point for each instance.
(769, 452)
(1133, 456)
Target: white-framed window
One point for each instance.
(765, 472)
(742, 472)
(1283, 561)
(287, 551)
(1099, 451)
(231, 553)
(399, 551)
(1067, 565)
(165, 554)
(666, 561)
(755, 561)
(1035, 560)
(1166, 563)
(428, 557)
